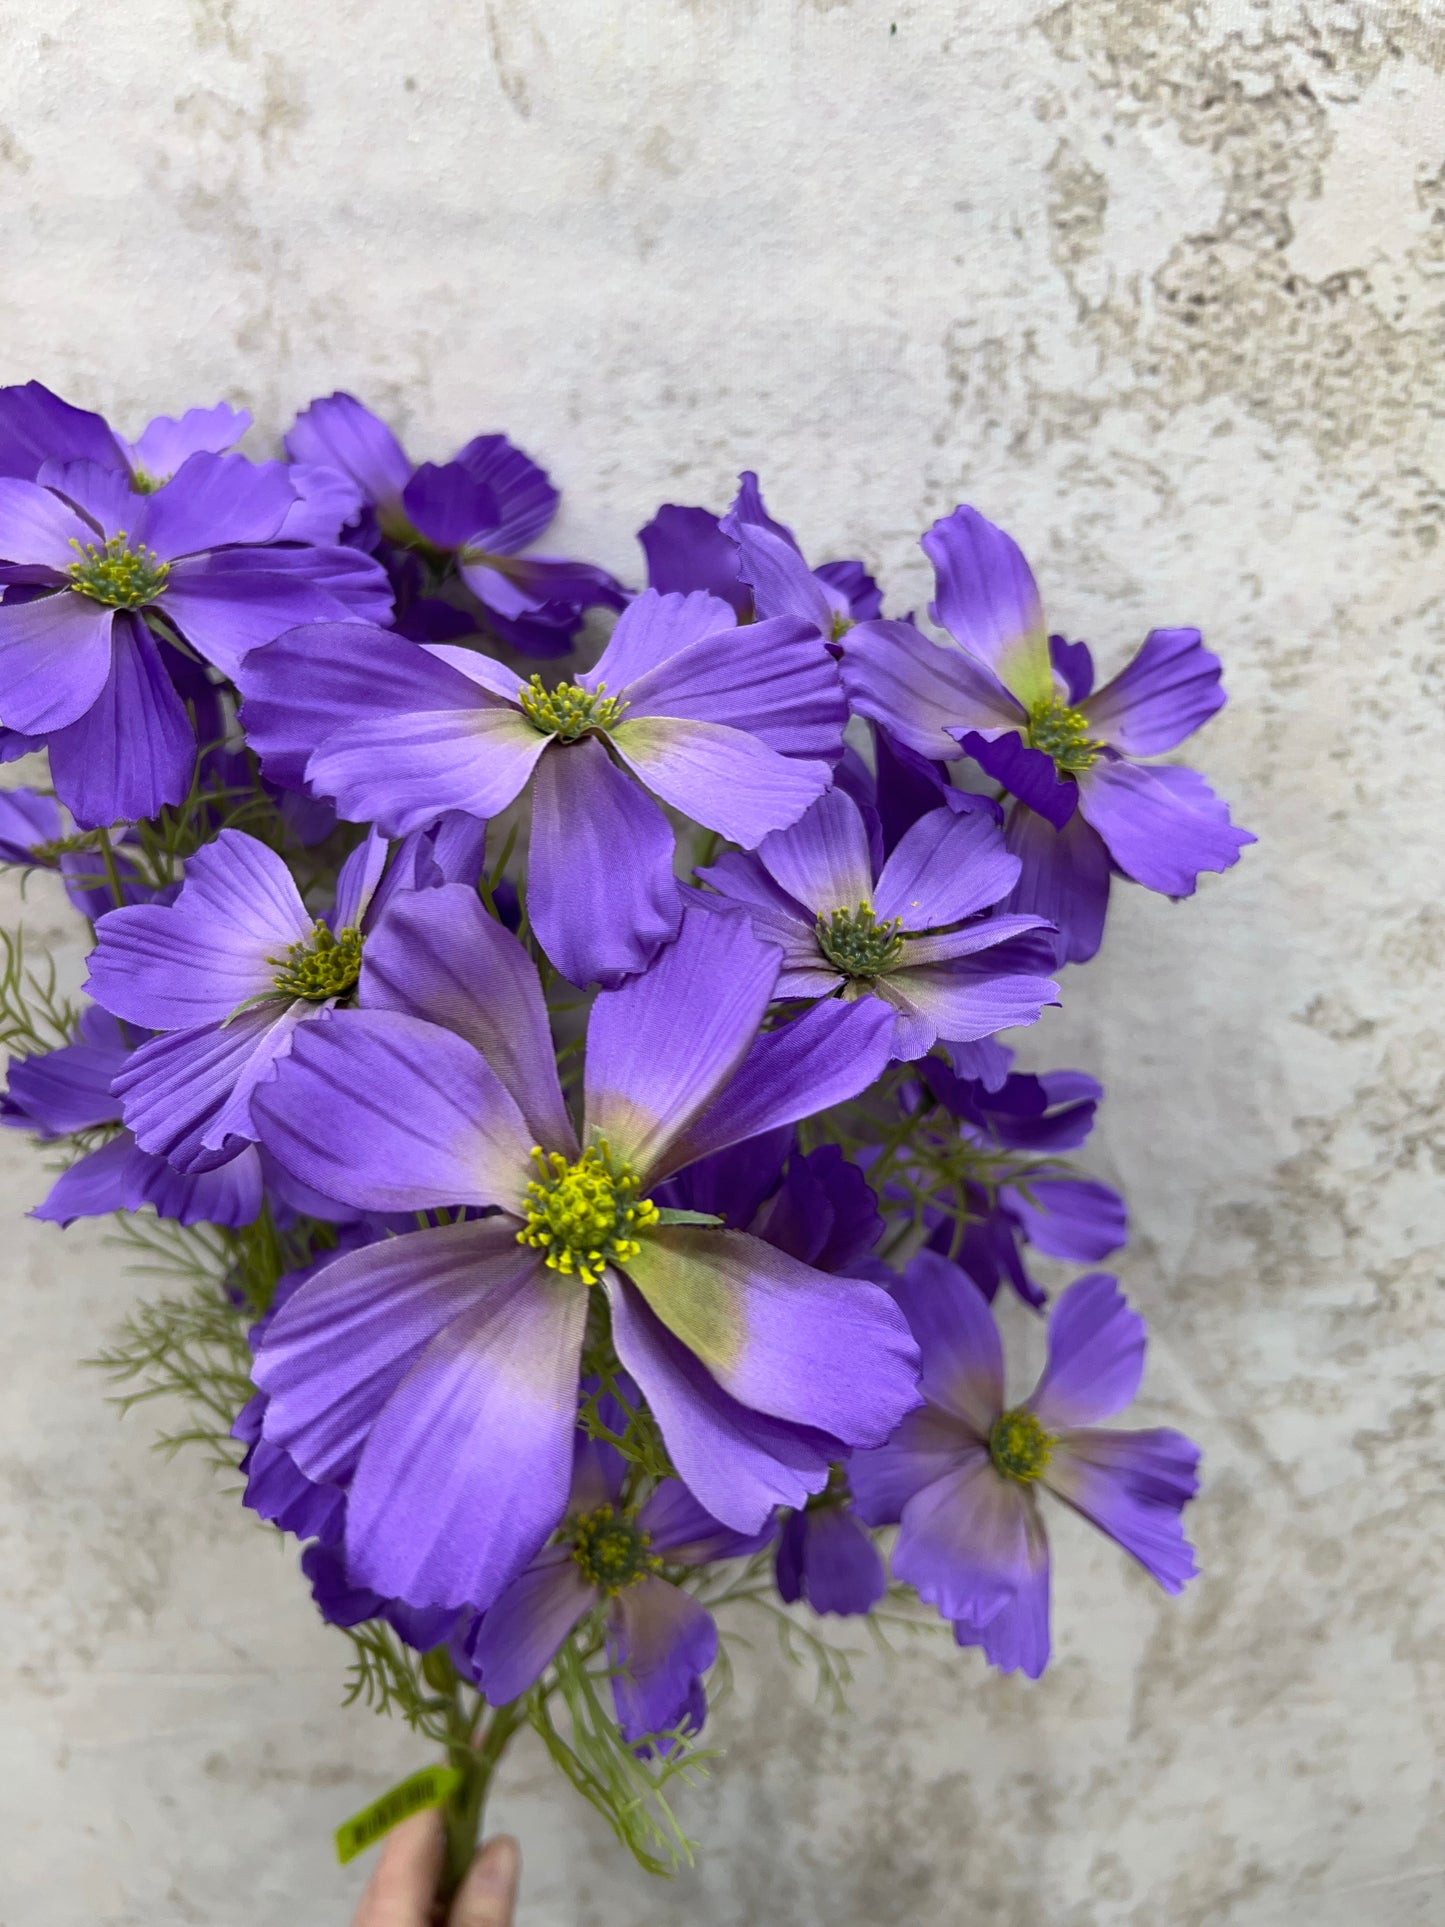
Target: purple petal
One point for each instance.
(38, 529)
(359, 587)
(1162, 696)
(1016, 1638)
(1096, 1355)
(782, 582)
(688, 1534)
(230, 1194)
(841, 1570)
(1074, 666)
(652, 629)
(225, 611)
(27, 820)
(740, 1464)
(165, 443)
(1021, 943)
(36, 425)
(987, 599)
(338, 431)
(188, 1094)
(55, 657)
(822, 1058)
(402, 771)
(823, 860)
(301, 687)
(958, 1338)
(195, 961)
(928, 1445)
(338, 1348)
(466, 1471)
(831, 1353)
(99, 490)
(600, 888)
(447, 504)
(326, 501)
(1074, 1218)
(920, 690)
(389, 1113)
(133, 751)
(92, 1187)
(525, 499)
(964, 1542)
(214, 502)
(686, 549)
(960, 1002)
(771, 679)
(1064, 878)
(1028, 773)
(1162, 826)
(518, 1635)
(1133, 1485)
(356, 882)
(65, 1090)
(944, 869)
(660, 1047)
(719, 776)
(279, 1491)
(661, 1641)
(741, 881)
(439, 956)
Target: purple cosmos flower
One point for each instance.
(482, 508)
(1024, 707)
(815, 1206)
(613, 1556)
(825, 1556)
(960, 1472)
(436, 1374)
(36, 834)
(749, 560)
(907, 934)
(68, 1090)
(37, 427)
(99, 566)
(227, 973)
(738, 728)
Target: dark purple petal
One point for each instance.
(92, 1187)
(518, 1635)
(906, 786)
(831, 1353)
(326, 502)
(525, 499)
(601, 893)
(733, 1184)
(987, 599)
(740, 1464)
(920, 690)
(36, 426)
(1162, 696)
(1016, 1638)
(1064, 878)
(1027, 773)
(1133, 1485)
(661, 1641)
(1074, 665)
(447, 504)
(389, 1113)
(195, 961)
(944, 869)
(133, 751)
(1074, 1218)
(27, 819)
(55, 658)
(661, 1046)
(686, 549)
(65, 1090)
(824, 1057)
(841, 1569)
(278, 1490)
(230, 1194)
(213, 502)
(782, 583)
(438, 955)
(1096, 1355)
(824, 1213)
(861, 595)
(338, 431)
(1162, 826)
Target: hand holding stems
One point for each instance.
(401, 1892)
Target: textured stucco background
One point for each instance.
(1159, 286)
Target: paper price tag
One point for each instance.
(429, 1788)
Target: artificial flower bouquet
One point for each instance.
(549, 1030)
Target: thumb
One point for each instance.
(488, 1895)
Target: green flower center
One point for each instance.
(839, 626)
(1019, 1446)
(118, 575)
(586, 1214)
(856, 943)
(145, 484)
(569, 711)
(1063, 734)
(611, 1551)
(320, 966)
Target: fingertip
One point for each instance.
(488, 1895)
(400, 1891)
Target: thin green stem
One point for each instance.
(477, 1761)
(112, 874)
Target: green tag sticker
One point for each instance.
(425, 1789)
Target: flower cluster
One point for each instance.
(583, 1085)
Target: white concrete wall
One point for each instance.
(1158, 285)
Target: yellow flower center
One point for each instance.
(586, 1214)
(1019, 1446)
(118, 575)
(1063, 734)
(611, 1551)
(856, 943)
(569, 711)
(320, 966)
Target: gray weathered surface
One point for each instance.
(1159, 286)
